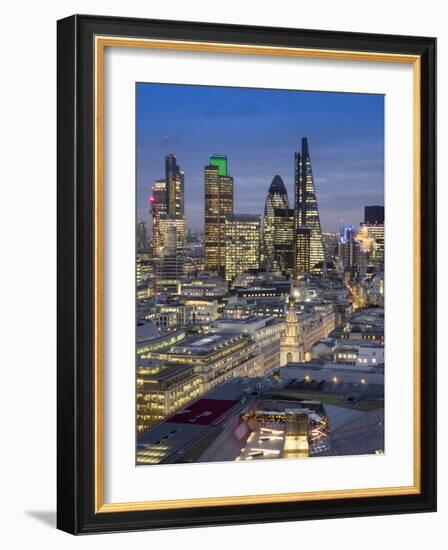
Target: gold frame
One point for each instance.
(101, 42)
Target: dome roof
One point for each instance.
(277, 186)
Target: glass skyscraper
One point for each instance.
(174, 178)
(307, 211)
(242, 233)
(278, 228)
(218, 191)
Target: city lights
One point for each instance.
(260, 337)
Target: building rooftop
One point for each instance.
(159, 371)
(146, 330)
(206, 345)
(361, 435)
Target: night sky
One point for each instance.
(259, 131)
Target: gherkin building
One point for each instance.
(278, 228)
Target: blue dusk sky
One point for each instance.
(259, 131)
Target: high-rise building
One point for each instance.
(174, 178)
(371, 234)
(242, 252)
(307, 211)
(302, 249)
(141, 236)
(218, 203)
(284, 239)
(159, 207)
(352, 253)
(278, 235)
(291, 344)
(171, 254)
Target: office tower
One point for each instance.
(159, 207)
(242, 252)
(302, 249)
(307, 212)
(171, 254)
(371, 234)
(291, 344)
(174, 178)
(276, 212)
(218, 203)
(284, 239)
(374, 214)
(352, 253)
(141, 237)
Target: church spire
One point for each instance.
(291, 345)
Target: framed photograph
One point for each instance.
(246, 274)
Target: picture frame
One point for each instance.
(82, 42)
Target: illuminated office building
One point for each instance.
(302, 249)
(171, 252)
(218, 191)
(307, 212)
(216, 357)
(143, 267)
(242, 237)
(284, 240)
(163, 389)
(158, 202)
(371, 237)
(174, 178)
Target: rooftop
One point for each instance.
(158, 371)
(205, 345)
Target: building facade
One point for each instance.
(277, 233)
(163, 390)
(302, 250)
(307, 211)
(242, 244)
(218, 203)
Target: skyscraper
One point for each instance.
(371, 233)
(174, 178)
(302, 249)
(242, 234)
(307, 212)
(277, 233)
(218, 203)
(171, 254)
(168, 225)
(284, 239)
(159, 207)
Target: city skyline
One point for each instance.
(345, 133)
(252, 338)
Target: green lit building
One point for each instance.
(218, 202)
